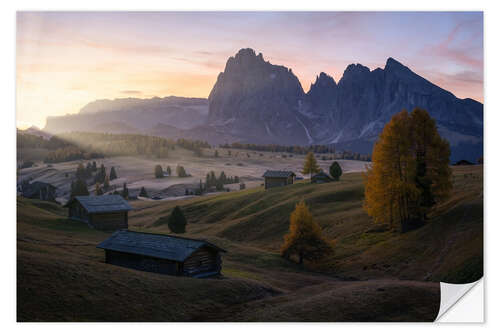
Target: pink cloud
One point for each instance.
(458, 49)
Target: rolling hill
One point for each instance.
(374, 275)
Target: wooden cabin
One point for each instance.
(321, 177)
(102, 212)
(277, 178)
(38, 190)
(464, 162)
(164, 254)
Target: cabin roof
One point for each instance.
(278, 174)
(30, 189)
(154, 245)
(101, 203)
(42, 184)
(37, 185)
(321, 174)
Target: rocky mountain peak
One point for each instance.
(324, 87)
(247, 53)
(355, 72)
(394, 66)
(254, 91)
(245, 58)
(256, 101)
(323, 80)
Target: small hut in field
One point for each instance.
(164, 254)
(38, 190)
(102, 212)
(321, 177)
(277, 178)
(464, 162)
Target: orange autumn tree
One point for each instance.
(310, 165)
(410, 171)
(304, 238)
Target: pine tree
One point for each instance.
(79, 187)
(125, 191)
(304, 238)
(112, 173)
(102, 173)
(207, 181)
(177, 221)
(81, 173)
(158, 171)
(410, 171)
(98, 189)
(310, 165)
(143, 193)
(88, 170)
(222, 178)
(335, 170)
(94, 166)
(106, 183)
(213, 178)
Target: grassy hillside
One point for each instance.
(375, 274)
(63, 277)
(448, 248)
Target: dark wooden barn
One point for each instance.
(277, 178)
(321, 177)
(103, 212)
(164, 254)
(38, 190)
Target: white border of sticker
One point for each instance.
(461, 303)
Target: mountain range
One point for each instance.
(259, 102)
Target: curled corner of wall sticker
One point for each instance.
(461, 303)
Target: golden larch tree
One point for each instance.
(305, 239)
(410, 171)
(310, 165)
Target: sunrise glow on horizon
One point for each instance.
(68, 59)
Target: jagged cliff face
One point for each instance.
(261, 102)
(257, 101)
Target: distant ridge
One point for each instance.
(258, 102)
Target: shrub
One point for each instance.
(158, 171)
(177, 221)
(143, 193)
(335, 170)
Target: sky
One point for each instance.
(65, 60)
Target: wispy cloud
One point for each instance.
(66, 59)
(458, 47)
